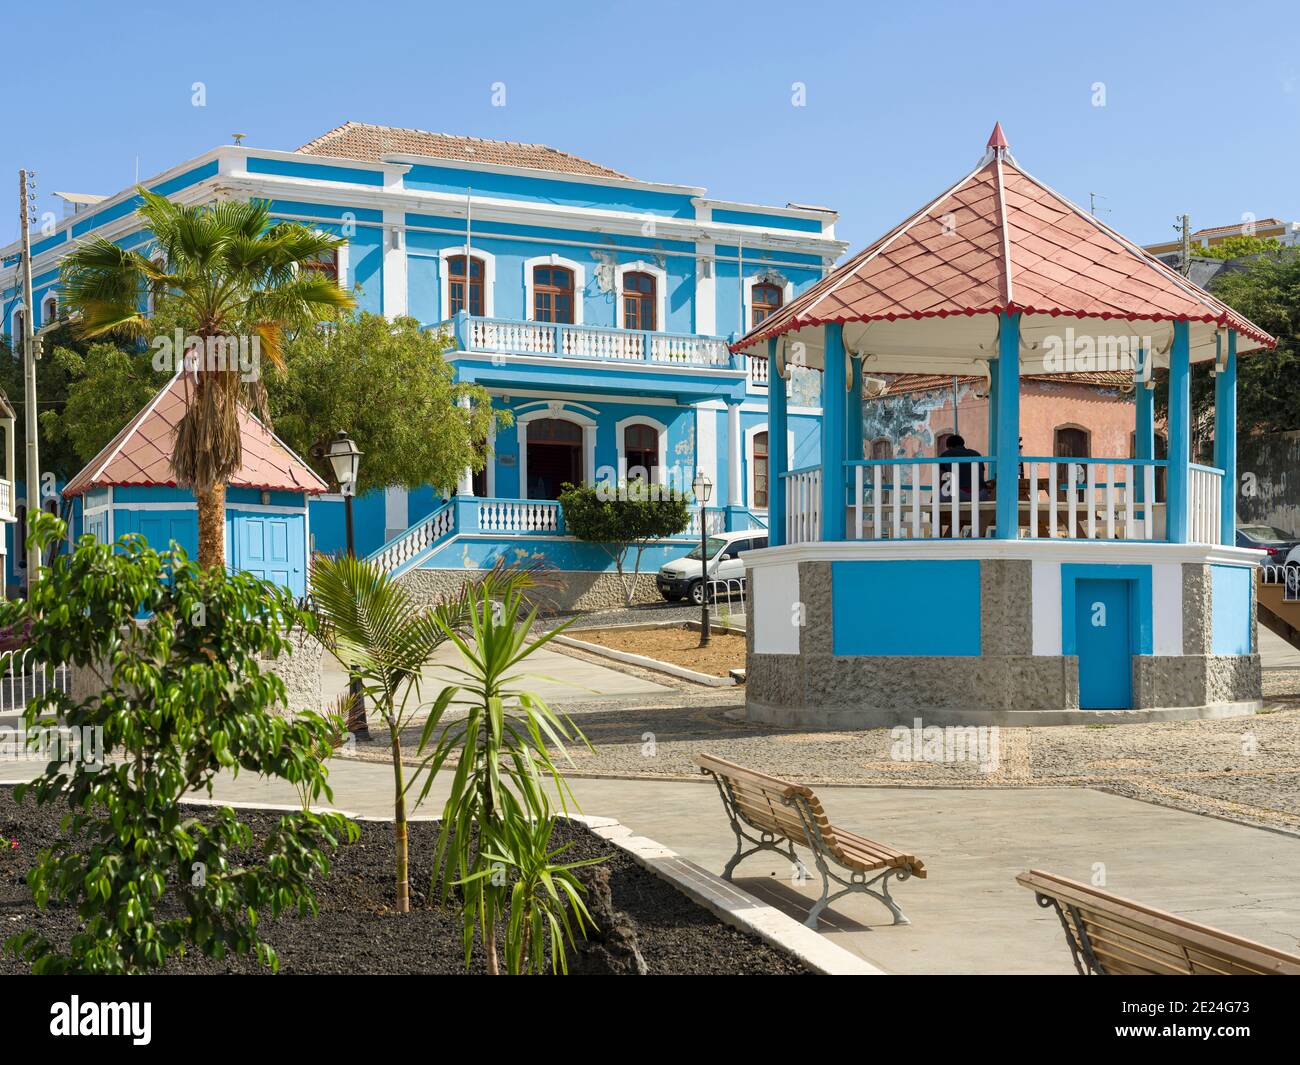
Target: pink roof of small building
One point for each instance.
(140, 454)
(1000, 240)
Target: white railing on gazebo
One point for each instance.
(1204, 504)
(803, 505)
(1065, 498)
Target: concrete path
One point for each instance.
(969, 916)
(1275, 652)
(556, 677)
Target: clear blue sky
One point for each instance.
(1201, 100)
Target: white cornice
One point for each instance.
(1113, 552)
(546, 175)
(496, 358)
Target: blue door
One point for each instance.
(271, 547)
(1104, 639)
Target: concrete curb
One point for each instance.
(731, 904)
(646, 663)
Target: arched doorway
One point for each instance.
(554, 456)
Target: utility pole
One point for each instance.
(26, 189)
(1185, 224)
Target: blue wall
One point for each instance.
(909, 607)
(1232, 589)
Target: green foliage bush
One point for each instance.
(184, 698)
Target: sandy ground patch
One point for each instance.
(681, 647)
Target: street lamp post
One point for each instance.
(703, 488)
(345, 458)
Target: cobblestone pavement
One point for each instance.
(1243, 768)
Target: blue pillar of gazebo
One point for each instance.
(1180, 435)
(855, 412)
(1144, 428)
(777, 460)
(834, 431)
(993, 405)
(1007, 456)
(1225, 440)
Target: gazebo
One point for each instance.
(1004, 588)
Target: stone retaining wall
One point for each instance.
(578, 590)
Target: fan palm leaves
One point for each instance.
(230, 273)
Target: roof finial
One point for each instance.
(997, 139)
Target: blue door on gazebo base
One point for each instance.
(1104, 641)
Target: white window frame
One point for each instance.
(46, 300)
(15, 311)
(563, 414)
(762, 277)
(489, 278)
(620, 427)
(579, 283)
(661, 291)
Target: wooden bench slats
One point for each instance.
(789, 811)
(1126, 937)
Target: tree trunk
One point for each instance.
(212, 526)
(399, 827)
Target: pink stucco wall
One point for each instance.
(1106, 413)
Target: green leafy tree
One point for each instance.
(387, 384)
(108, 387)
(1237, 247)
(235, 277)
(1268, 382)
(177, 648)
(501, 744)
(623, 519)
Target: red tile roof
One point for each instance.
(1000, 240)
(360, 140)
(141, 453)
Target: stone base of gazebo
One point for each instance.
(870, 635)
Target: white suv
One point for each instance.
(683, 577)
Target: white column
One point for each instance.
(706, 442)
(466, 486)
(394, 264)
(706, 291)
(735, 489)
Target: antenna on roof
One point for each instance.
(238, 138)
(1093, 197)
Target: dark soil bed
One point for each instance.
(358, 932)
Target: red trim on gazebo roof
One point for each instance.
(140, 454)
(1000, 240)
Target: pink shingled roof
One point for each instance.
(1000, 240)
(141, 453)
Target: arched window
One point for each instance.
(639, 301)
(554, 457)
(19, 326)
(641, 450)
(553, 294)
(765, 301)
(941, 441)
(760, 471)
(50, 310)
(1071, 442)
(457, 284)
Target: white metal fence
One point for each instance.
(728, 599)
(22, 679)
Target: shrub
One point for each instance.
(184, 698)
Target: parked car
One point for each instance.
(683, 578)
(1283, 549)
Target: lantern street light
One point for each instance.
(345, 459)
(703, 488)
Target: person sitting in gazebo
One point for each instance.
(968, 472)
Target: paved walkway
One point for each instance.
(969, 916)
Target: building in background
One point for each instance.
(595, 307)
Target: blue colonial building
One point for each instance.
(596, 308)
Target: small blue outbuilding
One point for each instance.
(131, 487)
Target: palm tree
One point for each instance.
(230, 273)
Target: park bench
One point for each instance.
(1113, 936)
(778, 811)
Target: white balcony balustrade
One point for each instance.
(519, 516)
(589, 342)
